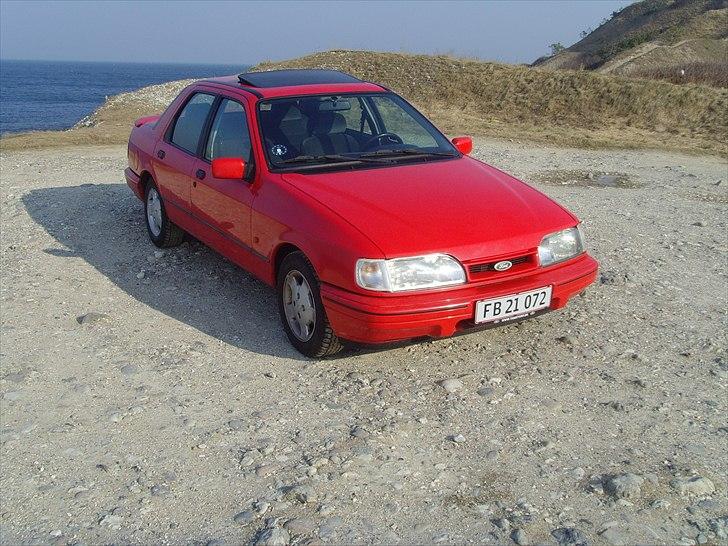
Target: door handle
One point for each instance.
(161, 154)
(200, 174)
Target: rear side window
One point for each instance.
(189, 124)
(229, 135)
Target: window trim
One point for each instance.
(170, 128)
(207, 128)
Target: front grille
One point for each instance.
(490, 266)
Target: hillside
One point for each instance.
(582, 109)
(651, 35)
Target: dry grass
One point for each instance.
(701, 73)
(571, 108)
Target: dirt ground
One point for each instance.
(152, 398)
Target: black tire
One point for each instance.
(169, 234)
(323, 341)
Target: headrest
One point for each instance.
(326, 123)
(293, 114)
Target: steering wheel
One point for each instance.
(382, 138)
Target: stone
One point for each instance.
(569, 536)
(304, 494)
(624, 486)
(451, 385)
(300, 526)
(485, 392)
(266, 470)
(91, 317)
(159, 490)
(236, 424)
(697, 485)
(129, 369)
(519, 537)
(458, 438)
(246, 517)
(273, 536)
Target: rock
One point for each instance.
(624, 486)
(458, 438)
(13, 396)
(486, 391)
(246, 517)
(111, 520)
(613, 534)
(697, 485)
(266, 470)
(91, 317)
(159, 254)
(303, 494)
(503, 524)
(451, 385)
(236, 424)
(140, 275)
(577, 473)
(569, 536)
(359, 432)
(273, 536)
(698, 224)
(129, 369)
(159, 490)
(519, 537)
(300, 526)
(660, 504)
(720, 527)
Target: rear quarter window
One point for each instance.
(190, 122)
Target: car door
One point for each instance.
(175, 155)
(225, 205)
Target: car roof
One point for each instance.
(282, 83)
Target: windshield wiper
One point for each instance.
(331, 158)
(406, 151)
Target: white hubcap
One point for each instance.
(154, 212)
(299, 305)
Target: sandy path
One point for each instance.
(184, 415)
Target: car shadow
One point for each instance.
(103, 224)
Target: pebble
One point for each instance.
(486, 391)
(266, 470)
(273, 536)
(624, 486)
(159, 490)
(458, 438)
(246, 517)
(129, 369)
(451, 385)
(519, 537)
(91, 317)
(236, 424)
(300, 526)
(304, 494)
(697, 485)
(569, 536)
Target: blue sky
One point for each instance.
(248, 32)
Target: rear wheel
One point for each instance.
(162, 231)
(302, 312)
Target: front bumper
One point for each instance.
(382, 318)
(134, 182)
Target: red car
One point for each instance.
(370, 223)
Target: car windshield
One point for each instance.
(347, 130)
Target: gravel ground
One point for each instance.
(151, 397)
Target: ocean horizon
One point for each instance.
(55, 95)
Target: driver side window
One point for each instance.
(229, 135)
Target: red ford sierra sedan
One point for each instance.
(371, 225)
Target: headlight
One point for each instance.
(411, 273)
(560, 246)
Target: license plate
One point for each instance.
(514, 306)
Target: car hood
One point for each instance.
(460, 207)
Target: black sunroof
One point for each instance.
(283, 78)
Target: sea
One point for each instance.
(39, 95)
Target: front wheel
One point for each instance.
(302, 312)
(162, 231)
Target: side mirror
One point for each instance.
(232, 168)
(464, 144)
